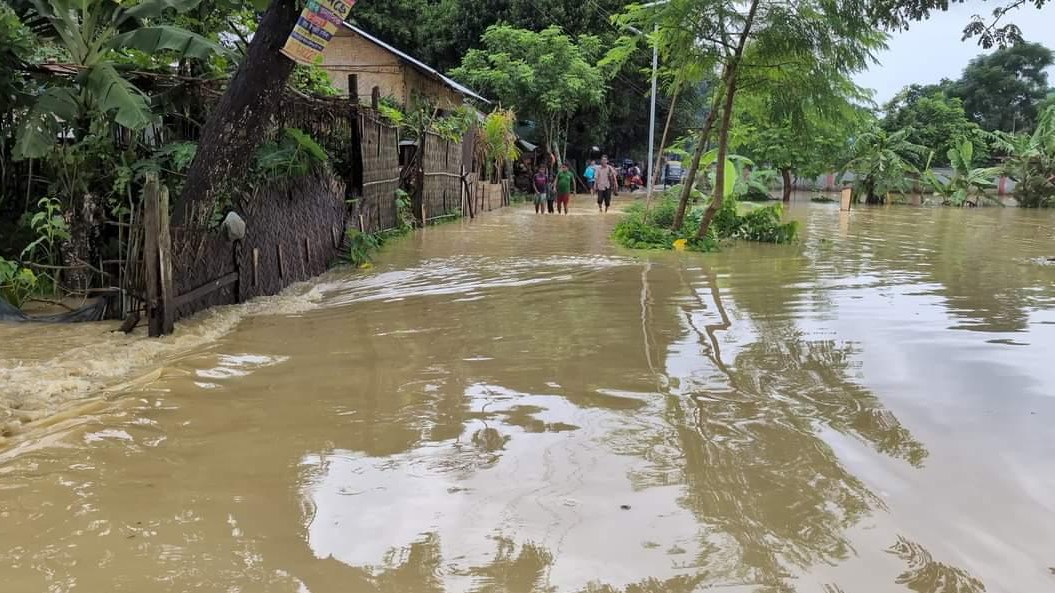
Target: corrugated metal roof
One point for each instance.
(417, 64)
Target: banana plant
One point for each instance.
(731, 174)
(92, 33)
(967, 185)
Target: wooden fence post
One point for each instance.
(168, 310)
(353, 88)
(375, 97)
(151, 270)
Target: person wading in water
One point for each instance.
(540, 183)
(605, 184)
(565, 183)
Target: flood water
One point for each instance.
(514, 404)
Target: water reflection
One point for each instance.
(925, 575)
(756, 465)
(981, 264)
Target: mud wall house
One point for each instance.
(395, 73)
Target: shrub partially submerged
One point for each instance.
(762, 224)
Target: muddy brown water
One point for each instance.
(517, 405)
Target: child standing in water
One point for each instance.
(565, 182)
(540, 183)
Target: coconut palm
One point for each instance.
(1031, 161)
(967, 186)
(92, 33)
(882, 163)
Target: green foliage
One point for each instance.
(1031, 162)
(424, 115)
(17, 283)
(50, 228)
(390, 111)
(92, 33)
(546, 75)
(294, 155)
(454, 124)
(312, 80)
(935, 121)
(899, 14)
(404, 212)
(496, 140)
(360, 247)
(441, 32)
(1003, 90)
(967, 185)
(881, 163)
(754, 185)
(762, 223)
(799, 117)
(636, 232)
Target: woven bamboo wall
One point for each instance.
(376, 209)
(442, 191)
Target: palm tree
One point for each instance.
(967, 186)
(91, 33)
(1031, 161)
(881, 163)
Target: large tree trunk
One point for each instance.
(723, 131)
(785, 175)
(697, 155)
(236, 125)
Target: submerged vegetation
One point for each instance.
(653, 228)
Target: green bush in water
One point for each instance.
(360, 247)
(762, 224)
(635, 232)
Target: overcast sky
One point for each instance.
(932, 50)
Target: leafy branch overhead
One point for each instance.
(93, 35)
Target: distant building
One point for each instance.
(395, 73)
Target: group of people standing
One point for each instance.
(601, 178)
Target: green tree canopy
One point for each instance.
(798, 118)
(933, 120)
(93, 34)
(547, 76)
(1002, 90)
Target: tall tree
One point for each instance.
(547, 75)
(700, 36)
(232, 133)
(441, 32)
(798, 119)
(935, 121)
(1002, 90)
